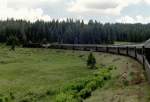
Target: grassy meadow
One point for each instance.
(39, 73)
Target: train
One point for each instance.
(140, 52)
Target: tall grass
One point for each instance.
(80, 89)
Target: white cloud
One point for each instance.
(30, 3)
(126, 19)
(147, 1)
(29, 14)
(105, 7)
(136, 19)
(84, 9)
(23, 13)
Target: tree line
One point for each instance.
(72, 32)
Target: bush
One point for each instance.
(13, 41)
(91, 61)
(50, 92)
(85, 93)
(1, 100)
(4, 98)
(12, 96)
(78, 90)
(26, 99)
(92, 85)
(125, 82)
(66, 97)
(76, 85)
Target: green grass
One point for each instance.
(38, 70)
(128, 83)
(123, 42)
(39, 73)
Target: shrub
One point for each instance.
(78, 90)
(85, 93)
(12, 96)
(125, 82)
(76, 85)
(50, 92)
(91, 61)
(92, 85)
(1, 100)
(66, 97)
(13, 41)
(26, 99)
(99, 81)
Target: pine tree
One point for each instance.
(12, 40)
(91, 61)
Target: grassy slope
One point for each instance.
(39, 70)
(115, 90)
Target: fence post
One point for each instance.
(118, 50)
(96, 48)
(107, 49)
(135, 52)
(143, 55)
(127, 50)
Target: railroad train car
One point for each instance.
(140, 52)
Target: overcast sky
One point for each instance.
(125, 11)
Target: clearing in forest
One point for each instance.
(37, 74)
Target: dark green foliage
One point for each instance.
(12, 96)
(27, 99)
(125, 82)
(86, 92)
(91, 61)
(75, 91)
(67, 97)
(1, 100)
(31, 97)
(50, 92)
(73, 32)
(44, 41)
(12, 40)
(92, 85)
(80, 89)
(4, 99)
